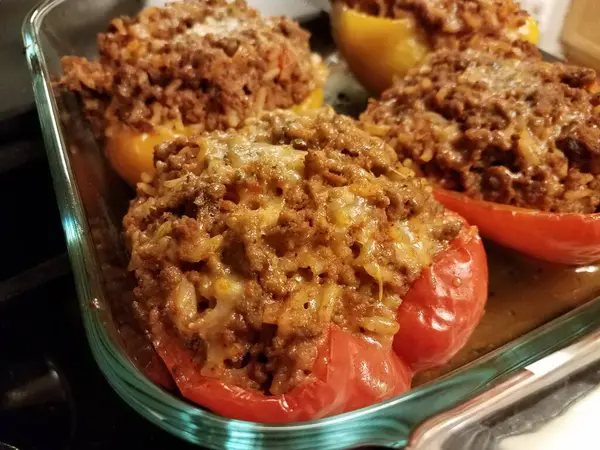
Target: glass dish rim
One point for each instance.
(473, 378)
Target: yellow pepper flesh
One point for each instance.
(131, 153)
(377, 49)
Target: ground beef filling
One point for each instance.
(250, 245)
(519, 132)
(457, 24)
(210, 63)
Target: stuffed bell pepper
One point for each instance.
(292, 270)
(512, 145)
(382, 39)
(190, 66)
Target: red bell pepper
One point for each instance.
(436, 318)
(559, 238)
(349, 373)
(443, 307)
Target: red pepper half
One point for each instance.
(436, 318)
(443, 307)
(559, 238)
(349, 373)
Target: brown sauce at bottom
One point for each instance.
(524, 294)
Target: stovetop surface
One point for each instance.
(52, 395)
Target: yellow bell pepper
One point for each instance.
(530, 31)
(313, 101)
(379, 48)
(131, 153)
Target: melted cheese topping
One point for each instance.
(413, 244)
(262, 254)
(344, 207)
(184, 310)
(217, 27)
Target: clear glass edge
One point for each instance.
(387, 424)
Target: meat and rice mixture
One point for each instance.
(250, 244)
(457, 24)
(210, 63)
(519, 132)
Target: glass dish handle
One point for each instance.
(436, 433)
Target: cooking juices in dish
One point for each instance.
(381, 39)
(511, 144)
(188, 67)
(292, 270)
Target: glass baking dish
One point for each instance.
(534, 308)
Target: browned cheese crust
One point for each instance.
(519, 132)
(205, 62)
(458, 24)
(251, 244)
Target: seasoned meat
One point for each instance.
(251, 244)
(210, 63)
(519, 132)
